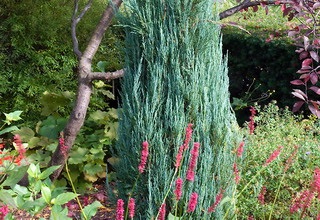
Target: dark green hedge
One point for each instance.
(272, 64)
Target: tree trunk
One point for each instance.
(85, 78)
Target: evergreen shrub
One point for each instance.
(175, 75)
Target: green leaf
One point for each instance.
(98, 115)
(34, 170)
(6, 198)
(172, 217)
(9, 129)
(47, 172)
(21, 190)
(52, 101)
(113, 113)
(92, 169)
(13, 116)
(91, 210)
(63, 198)
(25, 133)
(51, 127)
(109, 94)
(15, 176)
(46, 194)
(78, 156)
(58, 213)
(101, 65)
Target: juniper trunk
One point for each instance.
(175, 75)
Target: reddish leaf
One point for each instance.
(277, 2)
(313, 78)
(315, 89)
(314, 108)
(283, 7)
(303, 55)
(299, 94)
(255, 8)
(306, 62)
(306, 42)
(297, 82)
(316, 5)
(314, 56)
(297, 106)
(304, 70)
(267, 10)
(316, 42)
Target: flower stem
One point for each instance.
(74, 190)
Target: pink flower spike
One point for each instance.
(218, 199)
(4, 210)
(261, 195)
(240, 149)
(193, 162)
(273, 156)
(316, 181)
(251, 122)
(162, 212)
(192, 202)
(131, 207)
(188, 136)
(236, 173)
(178, 190)
(144, 156)
(179, 156)
(120, 210)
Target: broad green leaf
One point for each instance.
(33, 142)
(99, 84)
(34, 170)
(101, 65)
(47, 172)
(92, 169)
(58, 213)
(91, 210)
(63, 198)
(51, 127)
(25, 133)
(78, 156)
(15, 176)
(113, 113)
(6, 198)
(9, 129)
(98, 115)
(109, 94)
(172, 217)
(21, 190)
(13, 116)
(46, 194)
(52, 101)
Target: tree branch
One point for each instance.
(106, 75)
(246, 4)
(74, 22)
(100, 29)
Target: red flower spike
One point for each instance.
(218, 199)
(144, 156)
(192, 202)
(162, 212)
(120, 210)
(131, 207)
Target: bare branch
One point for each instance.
(104, 23)
(106, 75)
(83, 12)
(246, 4)
(74, 23)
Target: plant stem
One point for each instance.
(74, 190)
(275, 198)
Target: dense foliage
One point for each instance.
(36, 52)
(175, 75)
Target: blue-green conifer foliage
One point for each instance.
(175, 74)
